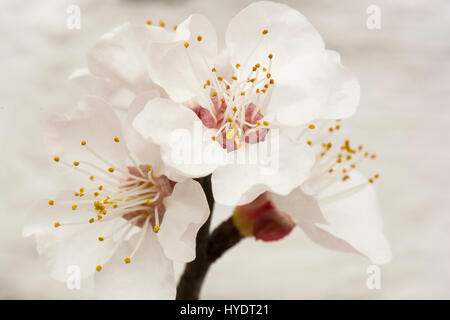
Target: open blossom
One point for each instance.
(117, 64)
(336, 206)
(128, 221)
(274, 73)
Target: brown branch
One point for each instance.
(208, 249)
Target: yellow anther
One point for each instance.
(265, 31)
(370, 180)
(111, 169)
(268, 75)
(91, 220)
(213, 70)
(331, 170)
(214, 94)
(148, 201)
(360, 147)
(227, 87)
(127, 260)
(56, 158)
(309, 142)
(266, 86)
(81, 189)
(330, 129)
(199, 38)
(83, 142)
(222, 100)
(149, 22)
(243, 93)
(51, 202)
(263, 90)
(186, 44)
(162, 23)
(220, 78)
(74, 207)
(272, 81)
(230, 134)
(115, 206)
(98, 268)
(156, 228)
(254, 69)
(213, 138)
(100, 188)
(337, 127)
(116, 139)
(257, 65)
(376, 176)
(345, 178)
(257, 90)
(229, 120)
(96, 194)
(373, 156)
(270, 56)
(265, 123)
(76, 163)
(258, 124)
(234, 108)
(234, 78)
(175, 27)
(149, 167)
(99, 217)
(101, 239)
(57, 224)
(264, 69)
(353, 165)
(91, 178)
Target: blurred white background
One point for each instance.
(404, 116)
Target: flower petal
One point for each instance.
(182, 66)
(146, 151)
(149, 275)
(281, 170)
(314, 86)
(186, 211)
(69, 245)
(289, 35)
(352, 219)
(64, 133)
(178, 131)
(118, 96)
(121, 55)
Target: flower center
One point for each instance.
(334, 163)
(233, 105)
(131, 194)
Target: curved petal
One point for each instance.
(182, 67)
(179, 133)
(69, 244)
(281, 166)
(146, 151)
(314, 86)
(121, 54)
(118, 96)
(186, 211)
(343, 217)
(64, 134)
(149, 275)
(289, 35)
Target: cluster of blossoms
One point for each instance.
(139, 208)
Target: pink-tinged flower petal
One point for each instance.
(262, 220)
(186, 211)
(289, 34)
(93, 121)
(281, 170)
(149, 275)
(314, 86)
(182, 66)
